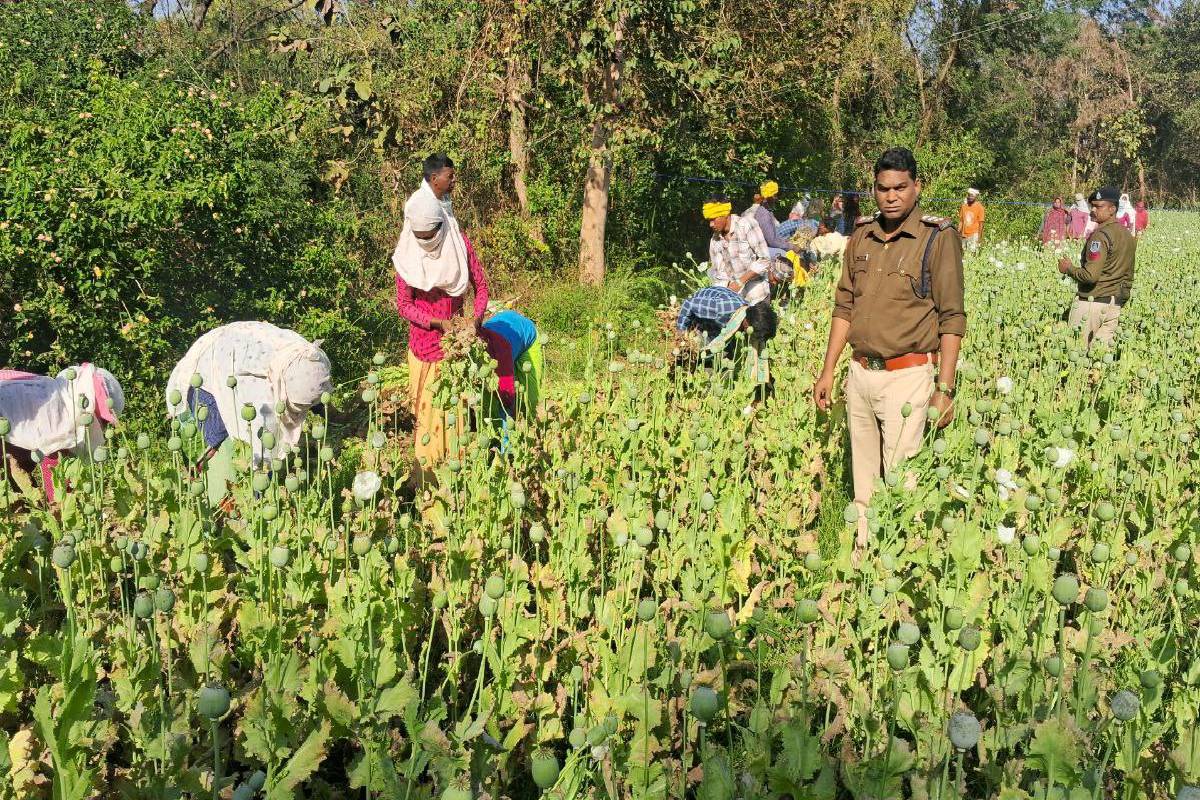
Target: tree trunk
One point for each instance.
(595, 208)
(518, 134)
(200, 13)
(147, 7)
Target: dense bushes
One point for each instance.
(138, 209)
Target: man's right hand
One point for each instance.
(823, 391)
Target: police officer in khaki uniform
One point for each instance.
(899, 304)
(1105, 272)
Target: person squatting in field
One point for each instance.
(899, 304)
(717, 314)
(43, 419)
(250, 382)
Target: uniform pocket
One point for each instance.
(858, 280)
(901, 285)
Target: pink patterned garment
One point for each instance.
(420, 308)
(50, 460)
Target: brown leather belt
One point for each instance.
(899, 362)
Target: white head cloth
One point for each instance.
(272, 365)
(1081, 204)
(1125, 208)
(44, 413)
(437, 263)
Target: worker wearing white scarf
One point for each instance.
(436, 263)
(273, 366)
(1081, 204)
(46, 414)
(1125, 212)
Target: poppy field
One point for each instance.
(648, 588)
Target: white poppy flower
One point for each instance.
(747, 411)
(1005, 534)
(1003, 477)
(962, 491)
(1003, 494)
(366, 485)
(1065, 456)
(1004, 384)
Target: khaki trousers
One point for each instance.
(880, 436)
(1096, 321)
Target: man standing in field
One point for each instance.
(899, 304)
(1104, 274)
(738, 257)
(971, 216)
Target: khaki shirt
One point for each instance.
(881, 277)
(1106, 263)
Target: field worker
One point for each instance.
(899, 304)
(435, 265)
(971, 216)
(277, 373)
(828, 242)
(1056, 223)
(837, 213)
(1104, 273)
(1141, 219)
(1081, 218)
(1126, 215)
(763, 213)
(738, 256)
(720, 313)
(55, 417)
(513, 340)
(795, 218)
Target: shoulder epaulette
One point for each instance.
(864, 220)
(941, 223)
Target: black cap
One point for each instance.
(1108, 193)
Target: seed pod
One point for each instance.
(361, 545)
(1150, 679)
(164, 600)
(199, 562)
(1182, 553)
(578, 738)
(269, 511)
(1096, 600)
(458, 789)
(707, 501)
(196, 381)
(143, 605)
(174, 397)
(968, 638)
(908, 633)
(1066, 589)
(280, 556)
(488, 605)
(1105, 512)
(544, 768)
(143, 442)
(892, 584)
(116, 564)
(705, 703)
(291, 483)
(213, 701)
(647, 609)
(494, 587)
(1053, 666)
(1031, 544)
(897, 656)
(248, 412)
(964, 730)
(1125, 705)
(268, 440)
(174, 444)
(536, 533)
(149, 582)
(812, 561)
(231, 381)
(379, 359)
(717, 625)
(5, 426)
(1053, 553)
(63, 556)
(954, 619)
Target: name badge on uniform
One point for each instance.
(1093, 250)
(863, 257)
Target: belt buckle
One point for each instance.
(876, 363)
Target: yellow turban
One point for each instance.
(769, 190)
(714, 210)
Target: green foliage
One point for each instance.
(140, 210)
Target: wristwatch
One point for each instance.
(944, 389)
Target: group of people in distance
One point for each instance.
(1061, 223)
